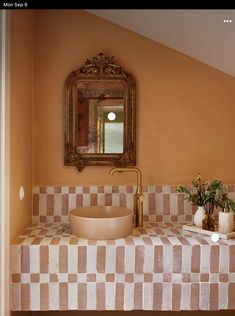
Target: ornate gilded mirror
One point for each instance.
(100, 115)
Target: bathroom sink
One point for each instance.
(101, 222)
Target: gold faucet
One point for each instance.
(138, 198)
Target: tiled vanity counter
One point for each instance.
(159, 267)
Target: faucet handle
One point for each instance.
(141, 197)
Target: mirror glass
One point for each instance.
(99, 116)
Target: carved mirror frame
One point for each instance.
(99, 68)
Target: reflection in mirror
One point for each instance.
(99, 115)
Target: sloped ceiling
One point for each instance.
(201, 34)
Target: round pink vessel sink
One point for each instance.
(101, 222)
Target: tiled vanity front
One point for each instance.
(159, 267)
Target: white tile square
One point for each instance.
(91, 259)
(50, 190)
(93, 189)
(166, 218)
(128, 296)
(148, 259)
(173, 204)
(115, 199)
(35, 296)
(223, 295)
(176, 278)
(63, 277)
(25, 278)
(151, 188)
(86, 199)
(148, 296)
(224, 259)
(46, 241)
(110, 263)
(34, 258)
(72, 259)
(54, 296)
(91, 296)
(100, 277)
(57, 204)
(101, 242)
(44, 278)
(138, 278)
(79, 190)
(120, 277)
(107, 189)
(110, 290)
(65, 219)
(159, 203)
(50, 219)
(82, 277)
(231, 277)
(72, 201)
(72, 296)
(186, 296)
(53, 259)
(65, 190)
(122, 189)
(101, 199)
(167, 259)
(157, 277)
(186, 259)
(35, 190)
(214, 277)
(166, 189)
(205, 259)
(204, 297)
(195, 277)
(167, 296)
(152, 218)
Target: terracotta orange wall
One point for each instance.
(185, 109)
(21, 119)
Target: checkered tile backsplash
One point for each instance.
(161, 203)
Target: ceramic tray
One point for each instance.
(199, 230)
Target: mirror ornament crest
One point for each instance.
(91, 92)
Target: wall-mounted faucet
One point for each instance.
(138, 197)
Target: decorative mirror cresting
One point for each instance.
(100, 115)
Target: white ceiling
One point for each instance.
(201, 34)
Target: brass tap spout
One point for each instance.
(138, 200)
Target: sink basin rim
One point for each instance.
(98, 227)
(86, 212)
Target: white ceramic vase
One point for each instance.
(199, 216)
(225, 222)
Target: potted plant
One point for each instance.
(214, 190)
(210, 194)
(226, 216)
(196, 196)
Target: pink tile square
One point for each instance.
(110, 277)
(148, 277)
(71, 190)
(72, 278)
(57, 189)
(34, 278)
(53, 277)
(91, 277)
(43, 190)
